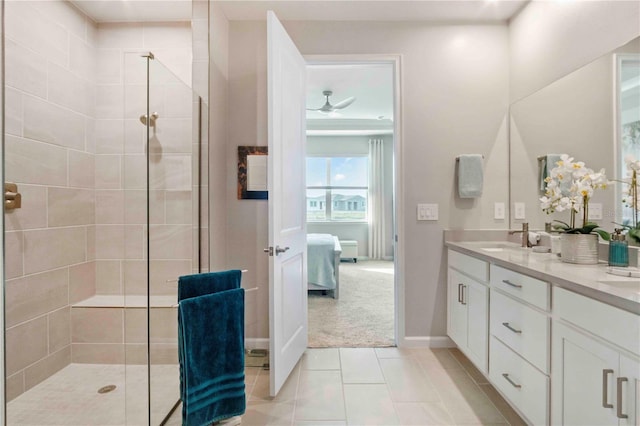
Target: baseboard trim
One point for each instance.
(426, 342)
(256, 343)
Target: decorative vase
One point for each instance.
(579, 248)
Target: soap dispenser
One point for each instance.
(618, 249)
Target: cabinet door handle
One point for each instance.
(507, 282)
(605, 387)
(506, 324)
(460, 292)
(463, 287)
(620, 381)
(514, 384)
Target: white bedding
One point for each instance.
(323, 258)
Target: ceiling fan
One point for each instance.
(327, 107)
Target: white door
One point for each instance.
(286, 83)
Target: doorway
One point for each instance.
(350, 196)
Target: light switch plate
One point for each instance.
(427, 212)
(498, 210)
(595, 211)
(518, 210)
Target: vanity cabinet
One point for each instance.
(467, 313)
(596, 369)
(519, 342)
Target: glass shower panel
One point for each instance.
(162, 168)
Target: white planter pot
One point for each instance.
(579, 248)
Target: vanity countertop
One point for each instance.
(590, 280)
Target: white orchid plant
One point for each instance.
(569, 186)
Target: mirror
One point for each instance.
(573, 115)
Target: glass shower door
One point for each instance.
(159, 183)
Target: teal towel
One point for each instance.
(212, 348)
(207, 283)
(547, 164)
(470, 175)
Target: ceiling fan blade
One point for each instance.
(314, 109)
(345, 103)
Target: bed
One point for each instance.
(323, 262)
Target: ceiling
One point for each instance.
(135, 10)
(371, 85)
(478, 11)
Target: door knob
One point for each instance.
(281, 250)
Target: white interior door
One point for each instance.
(286, 83)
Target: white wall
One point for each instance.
(549, 39)
(454, 100)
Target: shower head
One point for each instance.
(152, 122)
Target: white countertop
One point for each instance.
(589, 280)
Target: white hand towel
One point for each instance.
(470, 175)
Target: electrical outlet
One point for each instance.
(498, 210)
(595, 211)
(427, 212)
(518, 210)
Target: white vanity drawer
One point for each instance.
(619, 327)
(475, 268)
(529, 289)
(522, 328)
(526, 387)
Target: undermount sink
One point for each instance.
(630, 284)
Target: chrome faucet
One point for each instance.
(525, 234)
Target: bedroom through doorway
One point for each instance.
(350, 199)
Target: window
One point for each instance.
(337, 189)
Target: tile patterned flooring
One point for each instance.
(70, 396)
(376, 386)
(329, 387)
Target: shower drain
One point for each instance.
(106, 389)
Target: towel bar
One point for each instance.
(175, 281)
(248, 290)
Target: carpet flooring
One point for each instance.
(362, 316)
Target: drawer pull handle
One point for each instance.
(506, 324)
(459, 292)
(605, 387)
(514, 384)
(507, 282)
(619, 398)
(463, 302)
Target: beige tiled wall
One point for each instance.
(48, 153)
(78, 161)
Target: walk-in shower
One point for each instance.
(101, 140)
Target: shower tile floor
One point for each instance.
(70, 397)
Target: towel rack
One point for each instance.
(458, 158)
(175, 281)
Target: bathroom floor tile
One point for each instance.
(407, 382)
(268, 413)
(475, 374)
(369, 404)
(429, 358)
(382, 353)
(320, 396)
(287, 393)
(321, 359)
(463, 398)
(360, 365)
(505, 409)
(424, 414)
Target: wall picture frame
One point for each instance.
(252, 173)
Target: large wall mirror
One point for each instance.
(581, 114)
